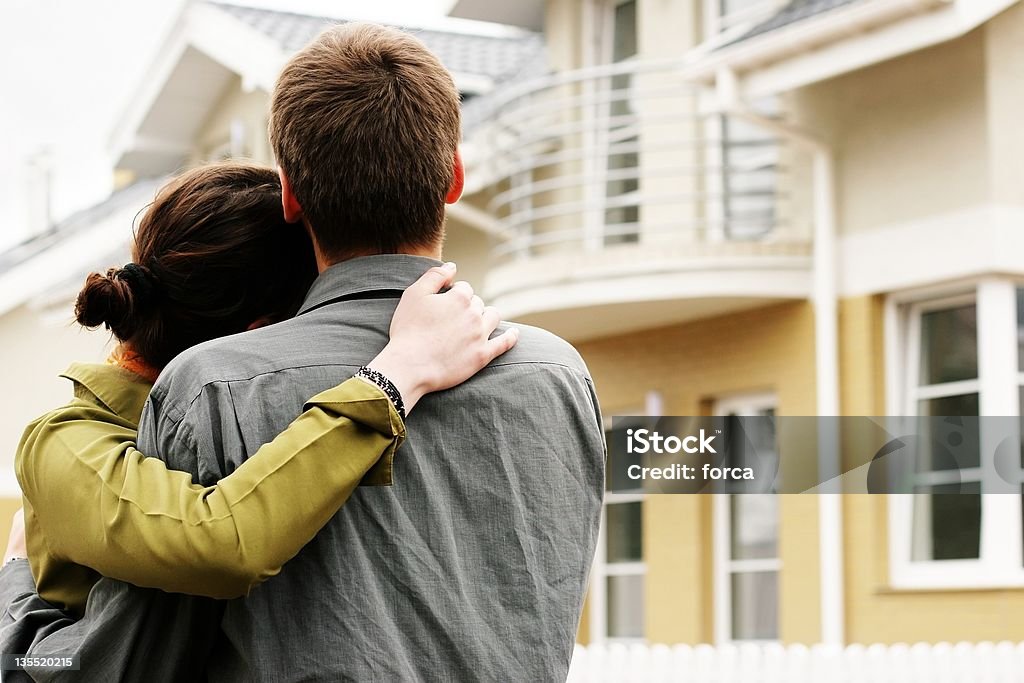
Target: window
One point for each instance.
(617, 584)
(619, 136)
(960, 356)
(746, 537)
(750, 163)
(946, 514)
(743, 176)
(233, 145)
(729, 19)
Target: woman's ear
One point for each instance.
(291, 206)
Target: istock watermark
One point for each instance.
(960, 454)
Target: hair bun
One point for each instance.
(108, 300)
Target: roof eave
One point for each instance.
(254, 57)
(839, 41)
(528, 14)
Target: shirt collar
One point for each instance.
(366, 274)
(121, 391)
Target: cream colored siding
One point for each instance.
(36, 350)
(910, 135)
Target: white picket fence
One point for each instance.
(921, 663)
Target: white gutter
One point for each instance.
(835, 24)
(840, 41)
(826, 334)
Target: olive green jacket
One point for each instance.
(94, 505)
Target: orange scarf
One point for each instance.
(132, 362)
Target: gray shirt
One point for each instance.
(471, 566)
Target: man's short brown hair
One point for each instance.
(365, 123)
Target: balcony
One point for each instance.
(620, 206)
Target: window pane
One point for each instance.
(947, 524)
(749, 179)
(949, 345)
(755, 606)
(624, 38)
(625, 607)
(948, 444)
(755, 526)
(624, 532)
(621, 221)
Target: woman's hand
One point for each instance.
(440, 340)
(16, 541)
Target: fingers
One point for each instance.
(502, 343)
(491, 319)
(463, 289)
(435, 279)
(476, 305)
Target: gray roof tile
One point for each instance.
(138, 194)
(498, 58)
(795, 11)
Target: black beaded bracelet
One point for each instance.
(385, 385)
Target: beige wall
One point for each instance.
(470, 250)
(1004, 74)
(910, 135)
(8, 506)
(35, 351)
(251, 108)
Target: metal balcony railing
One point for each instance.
(621, 155)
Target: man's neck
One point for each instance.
(324, 262)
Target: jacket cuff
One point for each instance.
(365, 404)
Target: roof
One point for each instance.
(495, 57)
(793, 12)
(92, 239)
(136, 196)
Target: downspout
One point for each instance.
(826, 334)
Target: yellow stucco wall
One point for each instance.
(773, 349)
(767, 349)
(8, 506)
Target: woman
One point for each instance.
(213, 257)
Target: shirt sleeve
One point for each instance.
(103, 504)
(126, 634)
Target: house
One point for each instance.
(205, 97)
(740, 207)
(747, 207)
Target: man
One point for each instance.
(472, 564)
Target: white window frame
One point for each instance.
(724, 565)
(601, 568)
(1001, 549)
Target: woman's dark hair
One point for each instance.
(212, 255)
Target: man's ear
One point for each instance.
(258, 323)
(458, 180)
(291, 206)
